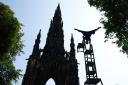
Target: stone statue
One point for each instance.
(87, 34)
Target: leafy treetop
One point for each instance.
(10, 44)
(115, 21)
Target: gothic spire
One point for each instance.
(72, 47)
(36, 45)
(33, 61)
(57, 15)
(55, 37)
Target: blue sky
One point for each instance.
(36, 14)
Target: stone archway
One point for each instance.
(50, 82)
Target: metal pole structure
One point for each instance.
(90, 66)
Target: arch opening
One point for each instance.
(50, 82)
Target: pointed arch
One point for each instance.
(50, 82)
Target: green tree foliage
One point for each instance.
(115, 20)
(10, 44)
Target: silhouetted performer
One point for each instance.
(87, 34)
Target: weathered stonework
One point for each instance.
(54, 62)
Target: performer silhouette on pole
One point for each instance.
(87, 34)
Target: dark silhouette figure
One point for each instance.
(87, 34)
